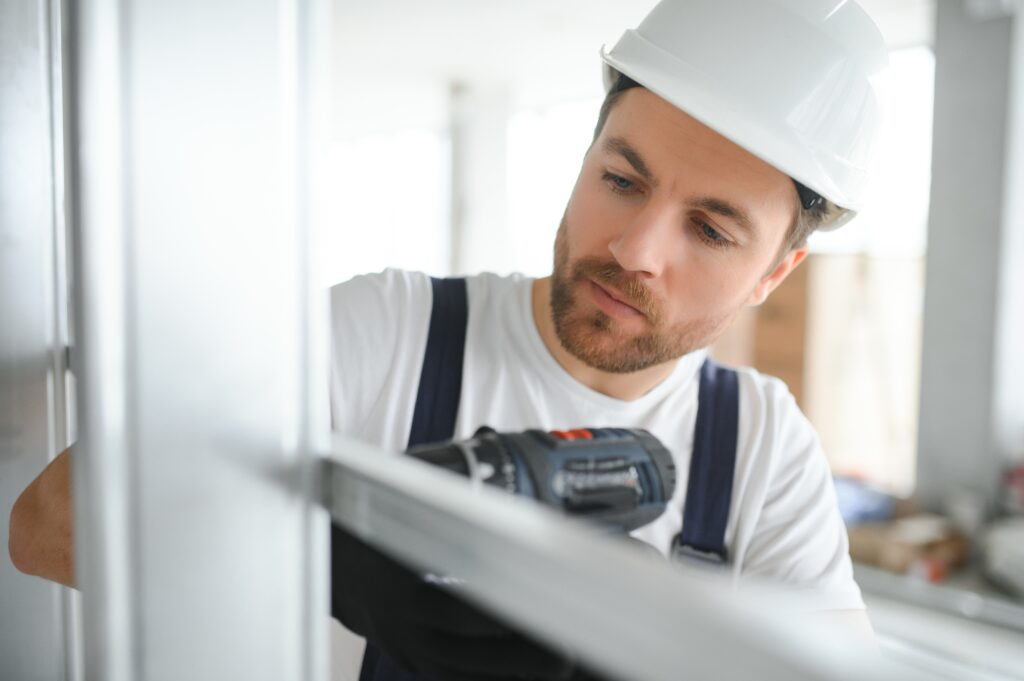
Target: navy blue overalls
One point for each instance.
(708, 491)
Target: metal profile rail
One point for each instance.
(618, 609)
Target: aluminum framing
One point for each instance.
(622, 612)
(199, 551)
(37, 638)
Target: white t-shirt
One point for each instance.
(784, 523)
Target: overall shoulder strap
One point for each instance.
(712, 465)
(437, 399)
(433, 419)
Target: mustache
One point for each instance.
(629, 287)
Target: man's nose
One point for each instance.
(644, 243)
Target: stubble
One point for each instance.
(600, 341)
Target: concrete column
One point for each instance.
(479, 125)
(971, 379)
(1008, 412)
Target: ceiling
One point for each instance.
(514, 39)
(538, 51)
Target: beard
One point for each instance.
(600, 341)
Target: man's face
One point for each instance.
(670, 230)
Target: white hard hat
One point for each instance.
(791, 81)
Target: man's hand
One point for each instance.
(40, 540)
(427, 629)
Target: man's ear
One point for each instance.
(770, 281)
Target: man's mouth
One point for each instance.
(612, 302)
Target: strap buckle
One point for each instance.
(688, 553)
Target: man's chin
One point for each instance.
(615, 355)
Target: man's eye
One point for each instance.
(618, 183)
(711, 236)
(711, 233)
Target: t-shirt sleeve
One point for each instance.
(372, 319)
(800, 539)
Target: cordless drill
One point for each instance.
(619, 478)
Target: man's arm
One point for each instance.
(854, 624)
(40, 540)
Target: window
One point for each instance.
(545, 151)
(865, 298)
(387, 206)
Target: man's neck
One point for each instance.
(620, 386)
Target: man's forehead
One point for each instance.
(664, 144)
(652, 125)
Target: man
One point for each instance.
(731, 130)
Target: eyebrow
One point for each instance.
(617, 145)
(720, 207)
